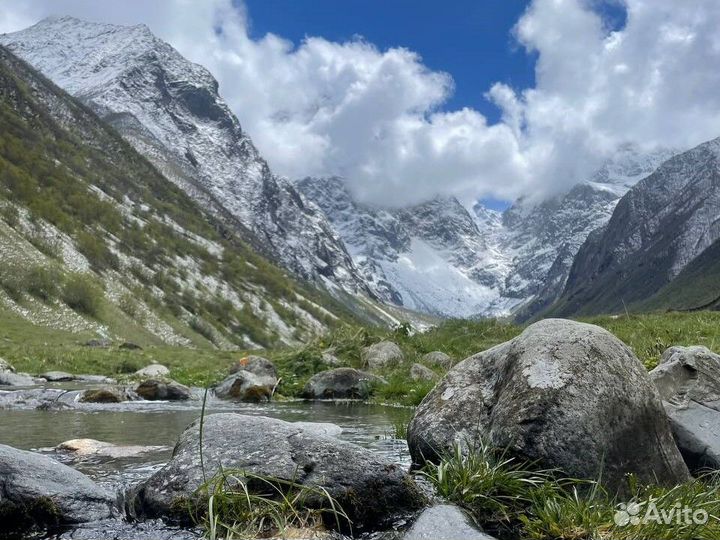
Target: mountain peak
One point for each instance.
(170, 110)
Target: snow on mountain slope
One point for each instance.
(439, 258)
(543, 238)
(658, 228)
(431, 257)
(169, 109)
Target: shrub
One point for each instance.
(12, 283)
(49, 247)
(129, 305)
(43, 282)
(10, 215)
(96, 252)
(82, 294)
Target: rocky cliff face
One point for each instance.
(657, 228)
(170, 110)
(438, 257)
(543, 238)
(432, 257)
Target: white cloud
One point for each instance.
(321, 107)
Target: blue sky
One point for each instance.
(469, 39)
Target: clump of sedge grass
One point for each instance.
(512, 500)
(245, 505)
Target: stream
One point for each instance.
(159, 424)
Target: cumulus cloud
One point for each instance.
(377, 117)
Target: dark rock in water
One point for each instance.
(257, 365)
(688, 379)
(107, 394)
(246, 386)
(118, 529)
(381, 355)
(566, 395)
(129, 346)
(38, 398)
(39, 493)
(92, 447)
(369, 489)
(98, 343)
(57, 376)
(444, 522)
(99, 379)
(341, 383)
(163, 390)
(8, 378)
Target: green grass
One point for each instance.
(231, 509)
(36, 349)
(510, 499)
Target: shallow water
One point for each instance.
(149, 423)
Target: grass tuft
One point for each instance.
(512, 500)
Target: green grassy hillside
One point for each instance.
(94, 240)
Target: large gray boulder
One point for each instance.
(688, 379)
(563, 394)
(9, 378)
(444, 522)
(341, 383)
(163, 390)
(370, 489)
(257, 365)
(246, 386)
(38, 492)
(385, 354)
(153, 370)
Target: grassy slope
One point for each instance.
(65, 172)
(34, 350)
(696, 287)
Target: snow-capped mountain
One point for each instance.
(169, 109)
(660, 226)
(542, 239)
(439, 258)
(432, 257)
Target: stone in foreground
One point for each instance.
(341, 383)
(688, 379)
(444, 522)
(39, 492)
(566, 395)
(370, 489)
